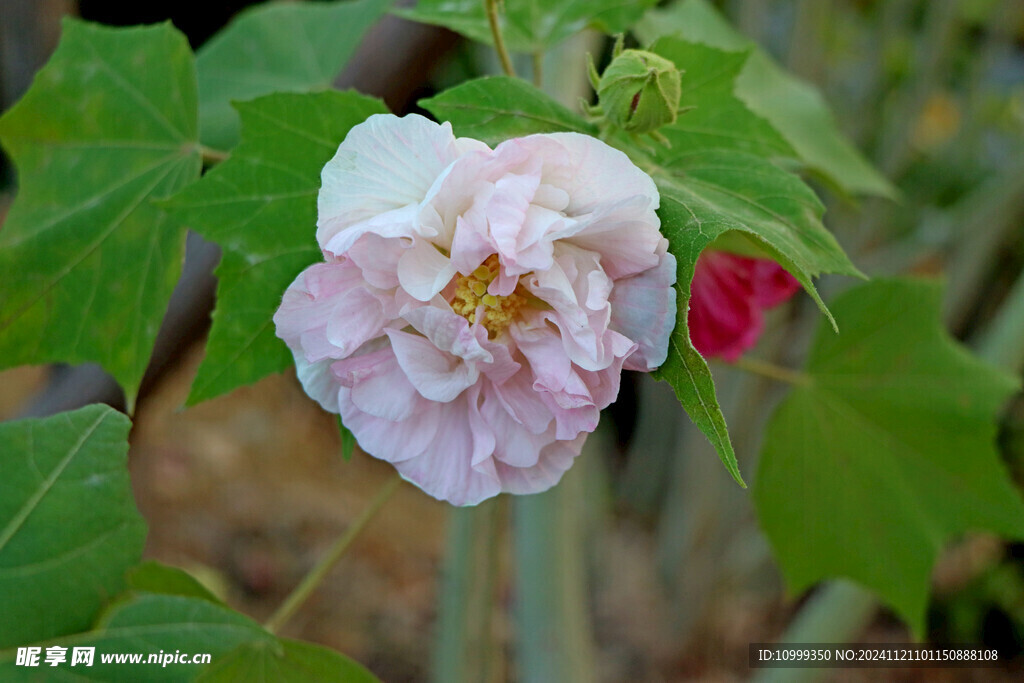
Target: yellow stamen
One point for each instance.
(471, 292)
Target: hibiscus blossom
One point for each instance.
(728, 296)
(476, 306)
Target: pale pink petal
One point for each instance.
(472, 245)
(399, 223)
(394, 441)
(462, 191)
(507, 211)
(318, 381)
(555, 459)
(308, 307)
(523, 402)
(644, 309)
(591, 172)
(514, 444)
(449, 332)
(423, 271)
(384, 163)
(622, 233)
(437, 375)
(445, 469)
(544, 353)
(357, 317)
(377, 258)
(571, 422)
(377, 385)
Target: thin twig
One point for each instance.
(306, 587)
(499, 41)
(538, 69)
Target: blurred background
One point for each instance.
(646, 563)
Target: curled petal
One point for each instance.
(328, 312)
(446, 468)
(555, 459)
(377, 385)
(384, 163)
(436, 374)
(423, 271)
(644, 310)
(318, 381)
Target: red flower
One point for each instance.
(727, 298)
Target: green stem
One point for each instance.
(553, 629)
(499, 42)
(773, 371)
(467, 647)
(837, 613)
(313, 579)
(538, 69)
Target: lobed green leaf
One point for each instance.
(886, 451)
(718, 119)
(89, 262)
(496, 108)
(260, 206)
(276, 47)
(529, 25)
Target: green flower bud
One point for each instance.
(639, 91)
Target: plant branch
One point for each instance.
(773, 371)
(313, 579)
(212, 156)
(499, 42)
(538, 69)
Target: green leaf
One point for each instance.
(260, 206)
(497, 108)
(89, 263)
(705, 195)
(529, 25)
(718, 120)
(294, 47)
(775, 209)
(151, 625)
(68, 524)
(794, 107)
(154, 577)
(886, 451)
(685, 369)
(286, 661)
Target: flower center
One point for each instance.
(471, 293)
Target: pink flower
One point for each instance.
(727, 298)
(476, 307)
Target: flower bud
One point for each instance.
(639, 91)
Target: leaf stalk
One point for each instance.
(313, 579)
(499, 42)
